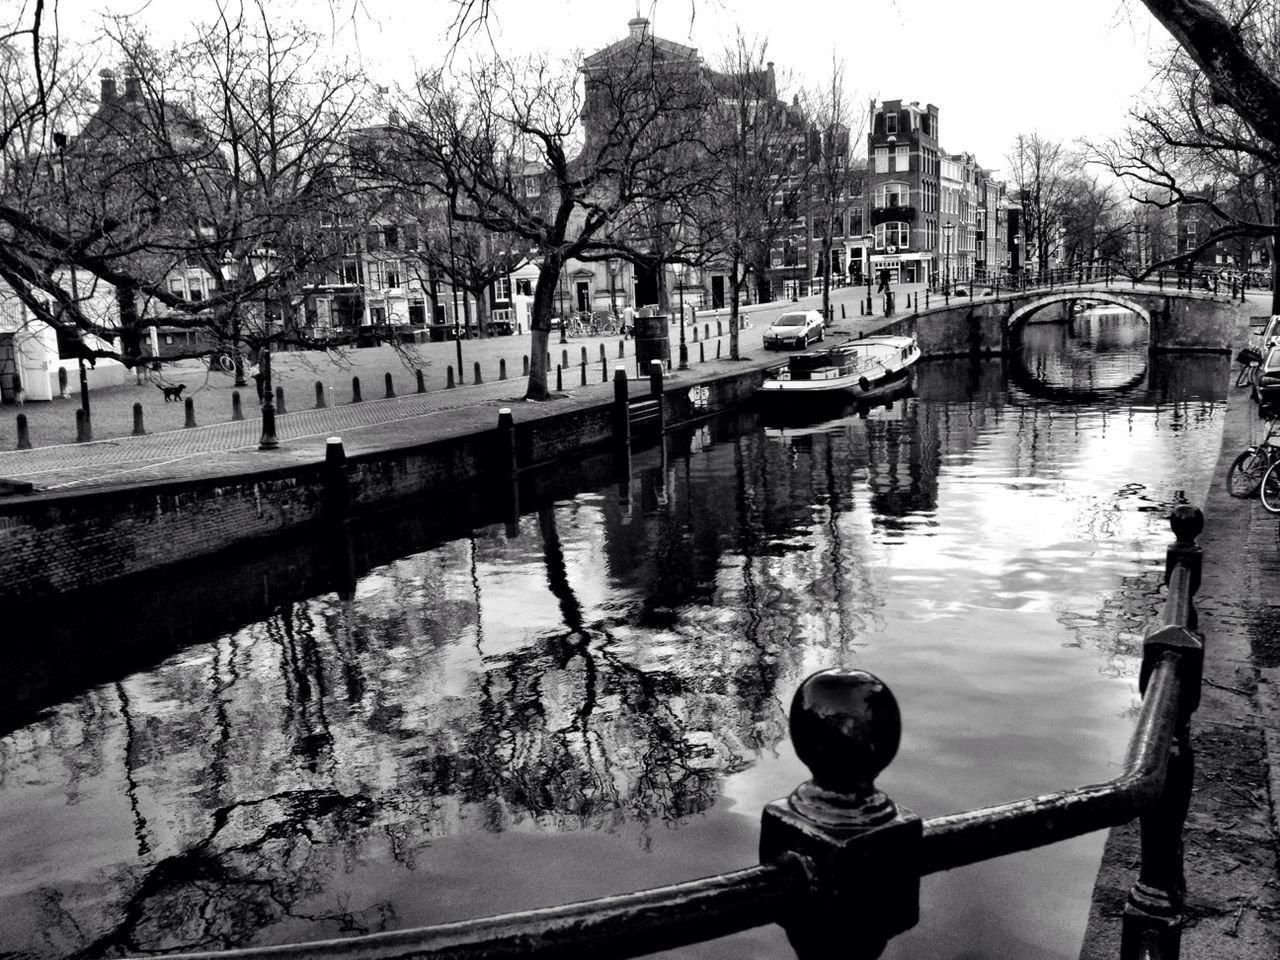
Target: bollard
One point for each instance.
(524, 366)
(390, 387)
(718, 349)
(62, 382)
(502, 368)
(476, 379)
(280, 409)
(548, 359)
(84, 427)
(24, 434)
(190, 406)
(320, 401)
(448, 377)
(421, 379)
(584, 373)
(584, 353)
(602, 352)
(695, 333)
(604, 370)
(702, 352)
(237, 410)
(559, 378)
(355, 390)
(862, 309)
(138, 429)
(508, 457)
(862, 850)
(719, 328)
(622, 349)
(335, 476)
(842, 316)
(564, 358)
(706, 331)
(621, 413)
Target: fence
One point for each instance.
(842, 862)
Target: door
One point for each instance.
(584, 296)
(717, 292)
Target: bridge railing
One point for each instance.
(987, 282)
(841, 862)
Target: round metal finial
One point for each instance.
(1187, 522)
(845, 727)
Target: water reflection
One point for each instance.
(596, 702)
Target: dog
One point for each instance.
(172, 393)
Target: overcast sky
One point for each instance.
(995, 68)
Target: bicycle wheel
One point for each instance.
(1271, 489)
(227, 363)
(1244, 476)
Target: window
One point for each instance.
(178, 288)
(411, 237)
(902, 158)
(373, 240)
(352, 272)
(392, 273)
(895, 233)
(893, 195)
(391, 237)
(882, 159)
(195, 288)
(532, 187)
(890, 123)
(524, 287)
(502, 289)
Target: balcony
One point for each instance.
(887, 214)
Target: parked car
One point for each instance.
(796, 329)
(1266, 388)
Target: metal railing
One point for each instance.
(841, 862)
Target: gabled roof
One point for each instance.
(639, 38)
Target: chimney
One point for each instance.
(637, 28)
(773, 81)
(132, 84)
(108, 85)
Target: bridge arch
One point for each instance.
(1022, 314)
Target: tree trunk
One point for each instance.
(540, 328)
(735, 286)
(826, 280)
(482, 313)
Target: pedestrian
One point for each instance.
(257, 382)
(628, 320)
(884, 280)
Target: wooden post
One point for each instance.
(655, 391)
(559, 378)
(24, 433)
(138, 429)
(584, 371)
(420, 377)
(355, 390)
(320, 400)
(390, 386)
(280, 408)
(190, 406)
(502, 368)
(477, 379)
(237, 411)
(448, 377)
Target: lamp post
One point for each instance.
(60, 141)
(612, 266)
(1016, 240)
(262, 261)
(680, 271)
(947, 229)
(868, 240)
(230, 270)
(795, 267)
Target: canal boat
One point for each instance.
(855, 369)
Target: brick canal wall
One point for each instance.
(55, 543)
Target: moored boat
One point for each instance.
(853, 369)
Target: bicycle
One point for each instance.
(1249, 472)
(1250, 361)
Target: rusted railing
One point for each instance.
(841, 862)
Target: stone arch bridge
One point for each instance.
(1178, 319)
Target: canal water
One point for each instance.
(591, 698)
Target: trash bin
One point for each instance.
(653, 342)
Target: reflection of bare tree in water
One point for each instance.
(258, 862)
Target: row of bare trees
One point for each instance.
(253, 156)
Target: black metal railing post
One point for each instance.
(861, 850)
(1152, 922)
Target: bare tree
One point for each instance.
(223, 154)
(518, 148)
(837, 182)
(1040, 170)
(763, 161)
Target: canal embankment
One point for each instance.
(1232, 835)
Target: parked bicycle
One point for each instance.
(593, 325)
(1250, 361)
(1250, 471)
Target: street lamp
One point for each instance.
(868, 240)
(262, 261)
(612, 266)
(680, 271)
(60, 141)
(947, 229)
(795, 268)
(230, 271)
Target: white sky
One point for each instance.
(995, 68)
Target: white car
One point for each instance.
(796, 329)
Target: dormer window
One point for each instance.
(890, 123)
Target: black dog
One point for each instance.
(172, 393)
